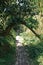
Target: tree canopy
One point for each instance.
(16, 12)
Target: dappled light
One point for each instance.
(21, 32)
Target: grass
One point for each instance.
(35, 53)
(7, 50)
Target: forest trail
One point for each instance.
(21, 54)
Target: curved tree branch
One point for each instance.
(6, 32)
(36, 34)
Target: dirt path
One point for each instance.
(21, 55)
